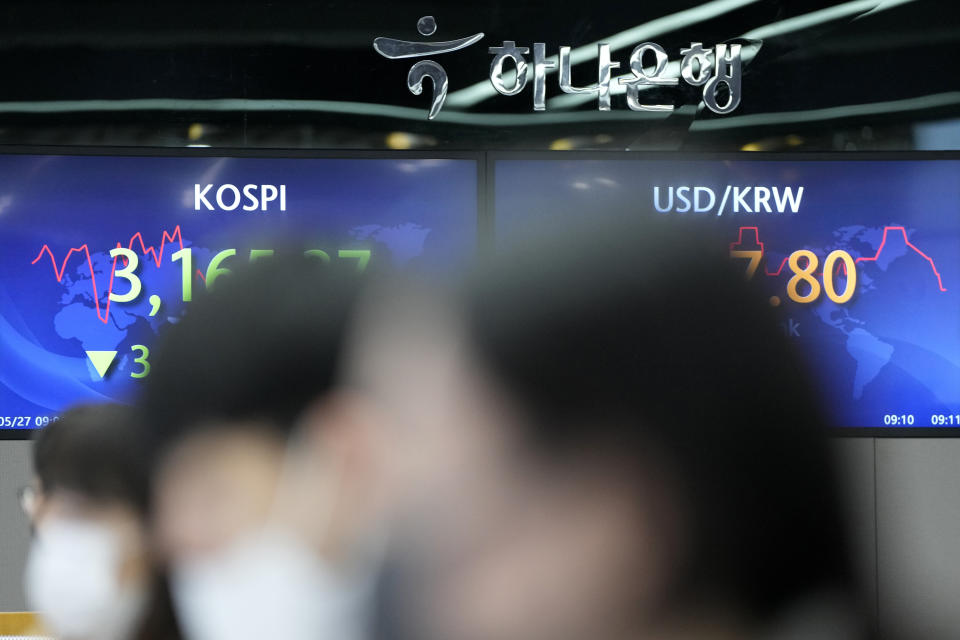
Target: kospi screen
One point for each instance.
(98, 252)
(862, 256)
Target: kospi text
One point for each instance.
(230, 197)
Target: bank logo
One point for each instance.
(718, 70)
(394, 49)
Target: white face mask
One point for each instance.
(267, 585)
(270, 583)
(72, 579)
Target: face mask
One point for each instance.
(72, 579)
(267, 585)
(270, 583)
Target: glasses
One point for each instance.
(28, 497)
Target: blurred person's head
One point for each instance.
(264, 495)
(91, 573)
(609, 437)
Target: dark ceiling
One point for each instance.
(829, 74)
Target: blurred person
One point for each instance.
(607, 436)
(266, 489)
(91, 573)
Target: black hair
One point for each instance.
(97, 450)
(634, 336)
(259, 349)
(102, 452)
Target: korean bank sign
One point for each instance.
(717, 70)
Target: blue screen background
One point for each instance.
(894, 349)
(417, 213)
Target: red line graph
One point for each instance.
(756, 241)
(157, 257)
(909, 244)
(883, 243)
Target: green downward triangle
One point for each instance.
(101, 360)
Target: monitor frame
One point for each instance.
(486, 162)
(482, 229)
(493, 157)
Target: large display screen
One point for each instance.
(863, 256)
(98, 252)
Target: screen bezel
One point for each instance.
(486, 162)
(482, 228)
(493, 157)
